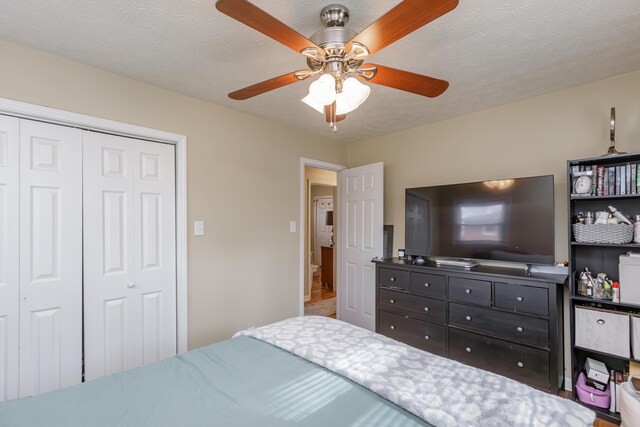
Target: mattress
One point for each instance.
(238, 382)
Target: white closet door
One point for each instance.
(130, 277)
(9, 259)
(50, 257)
(155, 250)
(108, 255)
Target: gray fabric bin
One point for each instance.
(603, 331)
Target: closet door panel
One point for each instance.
(155, 254)
(50, 257)
(110, 344)
(9, 259)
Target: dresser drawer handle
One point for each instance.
(426, 285)
(467, 291)
(426, 309)
(392, 279)
(519, 329)
(392, 327)
(468, 317)
(601, 322)
(519, 299)
(426, 337)
(468, 349)
(520, 365)
(392, 301)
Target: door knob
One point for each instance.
(131, 285)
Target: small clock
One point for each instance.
(582, 184)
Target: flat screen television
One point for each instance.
(506, 220)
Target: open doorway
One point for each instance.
(319, 237)
(320, 289)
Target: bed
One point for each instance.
(308, 371)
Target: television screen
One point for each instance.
(504, 220)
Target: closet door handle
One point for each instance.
(131, 285)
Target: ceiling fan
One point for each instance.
(338, 54)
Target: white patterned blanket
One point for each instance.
(441, 391)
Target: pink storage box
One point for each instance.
(592, 396)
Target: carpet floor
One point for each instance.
(326, 307)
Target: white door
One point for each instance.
(50, 257)
(130, 276)
(323, 232)
(361, 198)
(108, 255)
(154, 211)
(9, 259)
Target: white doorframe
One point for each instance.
(321, 165)
(50, 115)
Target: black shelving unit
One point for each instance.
(599, 257)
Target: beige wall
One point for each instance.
(244, 182)
(533, 137)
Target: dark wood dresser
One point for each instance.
(494, 318)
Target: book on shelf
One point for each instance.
(600, 181)
(612, 181)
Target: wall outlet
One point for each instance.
(292, 226)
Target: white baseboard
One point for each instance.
(567, 384)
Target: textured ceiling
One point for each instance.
(491, 51)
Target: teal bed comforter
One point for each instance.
(238, 382)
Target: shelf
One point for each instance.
(577, 347)
(618, 196)
(606, 302)
(608, 245)
(604, 414)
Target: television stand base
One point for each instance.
(459, 263)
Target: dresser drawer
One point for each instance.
(391, 278)
(522, 299)
(419, 307)
(416, 333)
(527, 330)
(521, 363)
(428, 285)
(470, 290)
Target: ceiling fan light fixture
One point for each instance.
(313, 103)
(352, 96)
(323, 90)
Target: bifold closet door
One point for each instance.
(50, 257)
(9, 259)
(129, 253)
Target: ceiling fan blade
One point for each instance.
(404, 80)
(403, 19)
(267, 85)
(259, 20)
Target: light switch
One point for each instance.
(292, 226)
(198, 228)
